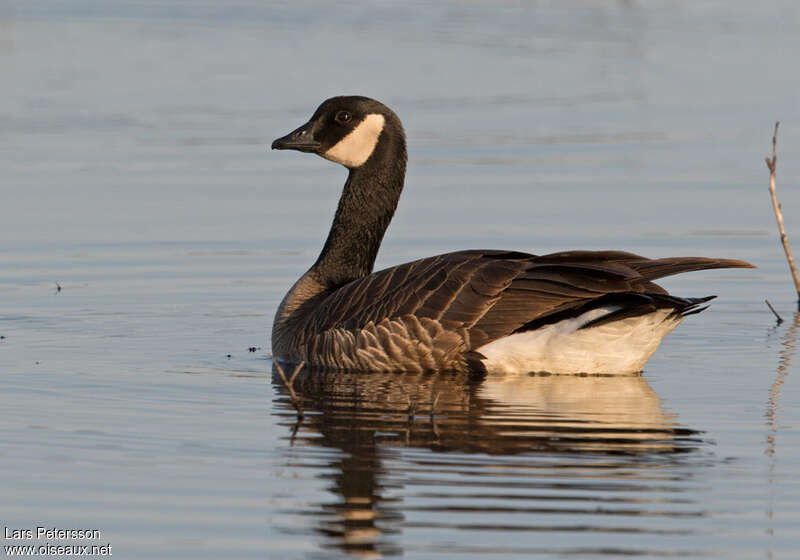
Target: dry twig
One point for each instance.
(771, 164)
(435, 402)
(434, 427)
(778, 317)
(411, 411)
(290, 385)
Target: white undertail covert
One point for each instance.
(621, 346)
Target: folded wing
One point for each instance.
(487, 295)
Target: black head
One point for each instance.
(344, 129)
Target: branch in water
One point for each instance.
(771, 164)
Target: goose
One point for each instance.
(474, 310)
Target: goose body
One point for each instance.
(478, 310)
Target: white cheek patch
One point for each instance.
(355, 148)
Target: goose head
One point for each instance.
(348, 130)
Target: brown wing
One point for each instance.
(490, 294)
(428, 287)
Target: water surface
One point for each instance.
(134, 175)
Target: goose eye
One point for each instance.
(342, 117)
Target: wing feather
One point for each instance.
(489, 294)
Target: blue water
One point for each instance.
(134, 175)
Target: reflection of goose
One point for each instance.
(569, 312)
(498, 414)
(591, 429)
(597, 408)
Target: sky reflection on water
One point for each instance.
(134, 173)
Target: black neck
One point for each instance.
(365, 209)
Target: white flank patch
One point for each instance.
(617, 347)
(355, 148)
